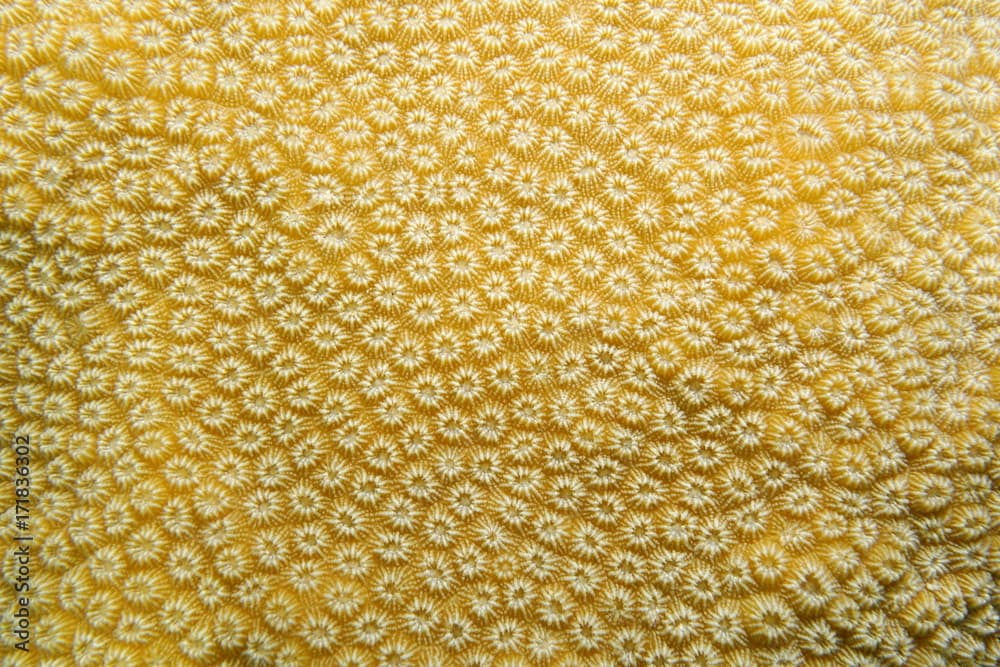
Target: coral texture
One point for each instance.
(488, 333)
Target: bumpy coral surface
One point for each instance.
(503, 332)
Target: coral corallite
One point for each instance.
(500, 333)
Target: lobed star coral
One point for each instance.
(496, 333)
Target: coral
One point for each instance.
(490, 332)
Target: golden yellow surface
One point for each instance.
(500, 333)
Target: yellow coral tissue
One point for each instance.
(499, 333)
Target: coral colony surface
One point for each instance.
(500, 333)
